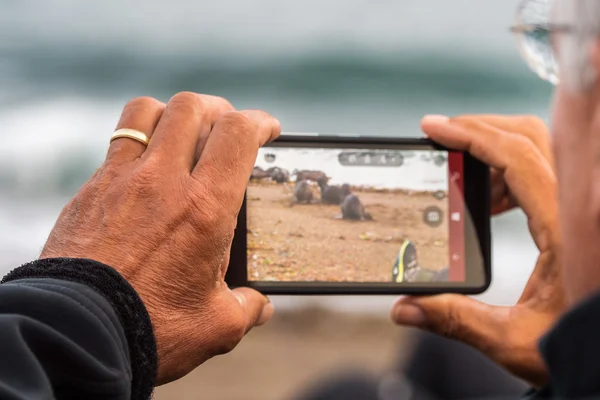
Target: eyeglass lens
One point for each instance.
(535, 39)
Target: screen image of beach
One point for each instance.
(355, 215)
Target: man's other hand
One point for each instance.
(518, 151)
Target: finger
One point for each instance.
(141, 114)
(532, 127)
(502, 199)
(257, 308)
(499, 188)
(221, 106)
(227, 161)
(184, 127)
(526, 172)
(453, 316)
(506, 204)
(529, 126)
(490, 329)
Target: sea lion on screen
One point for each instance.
(258, 174)
(303, 192)
(331, 194)
(314, 176)
(352, 208)
(278, 175)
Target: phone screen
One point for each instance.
(356, 215)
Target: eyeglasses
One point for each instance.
(534, 33)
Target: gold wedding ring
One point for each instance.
(131, 134)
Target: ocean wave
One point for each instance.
(329, 74)
(54, 144)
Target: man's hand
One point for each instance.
(164, 217)
(518, 151)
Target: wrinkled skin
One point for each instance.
(563, 209)
(518, 151)
(576, 132)
(164, 218)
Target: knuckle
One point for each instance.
(257, 113)
(185, 97)
(523, 146)
(144, 181)
(145, 176)
(534, 128)
(264, 117)
(267, 122)
(237, 121)
(220, 102)
(536, 123)
(522, 142)
(447, 323)
(522, 154)
(188, 103)
(451, 327)
(143, 102)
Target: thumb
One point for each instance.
(257, 308)
(453, 316)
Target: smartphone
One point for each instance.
(363, 215)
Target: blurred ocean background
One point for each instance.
(374, 67)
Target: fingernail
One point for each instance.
(277, 126)
(266, 314)
(436, 119)
(432, 119)
(409, 314)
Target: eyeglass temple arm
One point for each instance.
(554, 28)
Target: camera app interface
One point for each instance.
(356, 215)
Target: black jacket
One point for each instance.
(75, 329)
